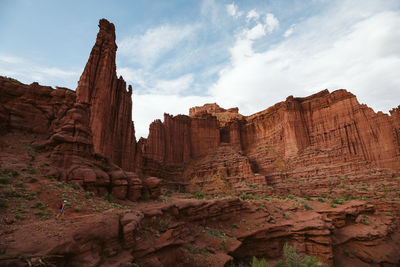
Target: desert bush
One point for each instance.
(292, 259)
(259, 263)
(199, 195)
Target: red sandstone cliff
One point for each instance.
(323, 134)
(111, 104)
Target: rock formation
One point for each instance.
(316, 136)
(303, 168)
(110, 102)
(61, 128)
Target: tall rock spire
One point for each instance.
(111, 104)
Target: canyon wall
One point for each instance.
(335, 124)
(324, 134)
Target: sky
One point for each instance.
(183, 53)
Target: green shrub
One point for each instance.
(292, 259)
(337, 201)
(33, 180)
(40, 213)
(3, 203)
(222, 246)
(19, 216)
(364, 220)
(306, 206)
(199, 195)
(75, 186)
(30, 196)
(39, 205)
(163, 224)
(5, 180)
(235, 226)
(89, 195)
(259, 263)
(12, 79)
(108, 197)
(20, 184)
(10, 172)
(145, 194)
(244, 196)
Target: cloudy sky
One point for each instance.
(182, 53)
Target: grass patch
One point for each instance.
(215, 232)
(245, 196)
(192, 249)
(39, 205)
(306, 206)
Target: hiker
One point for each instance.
(61, 209)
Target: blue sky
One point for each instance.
(179, 54)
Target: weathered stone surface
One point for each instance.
(110, 102)
(153, 185)
(176, 141)
(317, 136)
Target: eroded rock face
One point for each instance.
(326, 134)
(191, 232)
(176, 141)
(110, 103)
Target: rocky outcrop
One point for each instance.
(191, 232)
(110, 103)
(223, 170)
(32, 108)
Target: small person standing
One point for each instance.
(61, 209)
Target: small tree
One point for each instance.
(292, 259)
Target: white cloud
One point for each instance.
(174, 86)
(252, 15)
(271, 22)
(289, 31)
(233, 10)
(10, 59)
(147, 49)
(28, 71)
(255, 32)
(358, 53)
